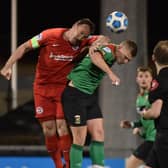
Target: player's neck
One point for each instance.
(159, 67)
(66, 35)
(143, 91)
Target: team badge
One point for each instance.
(39, 110)
(107, 49)
(77, 119)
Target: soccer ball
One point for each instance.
(117, 22)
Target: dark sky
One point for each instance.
(157, 22)
(34, 17)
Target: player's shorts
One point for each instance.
(143, 150)
(79, 106)
(48, 102)
(158, 156)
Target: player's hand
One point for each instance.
(125, 124)
(140, 109)
(115, 79)
(136, 131)
(92, 49)
(6, 73)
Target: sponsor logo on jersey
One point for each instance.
(55, 45)
(39, 110)
(61, 57)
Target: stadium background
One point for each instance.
(20, 133)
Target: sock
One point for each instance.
(65, 143)
(97, 153)
(54, 152)
(76, 156)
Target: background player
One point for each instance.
(144, 128)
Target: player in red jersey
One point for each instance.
(58, 49)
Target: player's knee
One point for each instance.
(49, 132)
(49, 129)
(98, 134)
(79, 140)
(62, 128)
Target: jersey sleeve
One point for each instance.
(106, 53)
(40, 39)
(157, 91)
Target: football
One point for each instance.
(117, 22)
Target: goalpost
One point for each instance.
(13, 48)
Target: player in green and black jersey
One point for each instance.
(144, 128)
(80, 102)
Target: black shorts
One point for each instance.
(143, 150)
(158, 157)
(79, 106)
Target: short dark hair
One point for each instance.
(132, 46)
(88, 22)
(145, 69)
(160, 52)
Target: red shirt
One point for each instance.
(55, 56)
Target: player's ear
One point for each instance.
(153, 57)
(119, 46)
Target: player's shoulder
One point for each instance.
(90, 39)
(54, 31)
(108, 48)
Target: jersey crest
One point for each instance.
(107, 49)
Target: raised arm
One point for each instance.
(98, 60)
(6, 71)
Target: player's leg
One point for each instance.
(65, 140)
(45, 113)
(95, 128)
(75, 116)
(51, 141)
(76, 152)
(140, 155)
(152, 160)
(133, 162)
(160, 148)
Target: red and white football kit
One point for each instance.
(54, 64)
